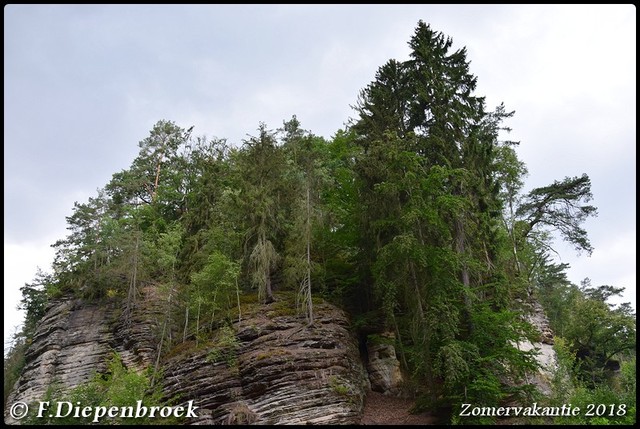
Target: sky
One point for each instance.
(84, 84)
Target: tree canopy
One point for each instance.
(412, 218)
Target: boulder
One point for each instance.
(382, 365)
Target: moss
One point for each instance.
(341, 389)
(282, 308)
(280, 351)
(249, 305)
(180, 349)
(284, 305)
(377, 339)
(339, 386)
(248, 298)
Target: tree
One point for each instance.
(84, 259)
(384, 104)
(305, 176)
(156, 177)
(210, 222)
(556, 293)
(167, 251)
(598, 332)
(430, 217)
(412, 218)
(337, 236)
(510, 174)
(35, 296)
(216, 286)
(560, 206)
(259, 168)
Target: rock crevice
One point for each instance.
(282, 372)
(268, 368)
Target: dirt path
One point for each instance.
(380, 409)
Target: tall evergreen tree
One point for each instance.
(156, 176)
(560, 206)
(260, 168)
(306, 177)
(431, 206)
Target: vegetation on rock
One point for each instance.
(411, 218)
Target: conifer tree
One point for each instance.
(260, 167)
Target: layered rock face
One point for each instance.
(544, 346)
(267, 368)
(74, 340)
(71, 343)
(277, 370)
(383, 366)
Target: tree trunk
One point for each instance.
(186, 323)
(426, 336)
(464, 273)
(157, 181)
(308, 234)
(131, 296)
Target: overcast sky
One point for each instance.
(84, 84)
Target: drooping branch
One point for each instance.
(561, 206)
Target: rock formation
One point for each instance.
(382, 365)
(267, 368)
(546, 356)
(280, 371)
(71, 343)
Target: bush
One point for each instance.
(119, 387)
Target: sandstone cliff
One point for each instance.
(281, 371)
(543, 346)
(267, 368)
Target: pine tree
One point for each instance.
(260, 168)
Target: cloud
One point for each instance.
(612, 263)
(84, 84)
(23, 260)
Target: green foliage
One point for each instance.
(118, 387)
(224, 347)
(596, 334)
(260, 170)
(14, 362)
(215, 286)
(376, 339)
(411, 218)
(454, 359)
(155, 175)
(305, 176)
(262, 261)
(168, 248)
(628, 376)
(563, 380)
(557, 295)
(35, 297)
(339, 386)
(558, 206)
(600, 406)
